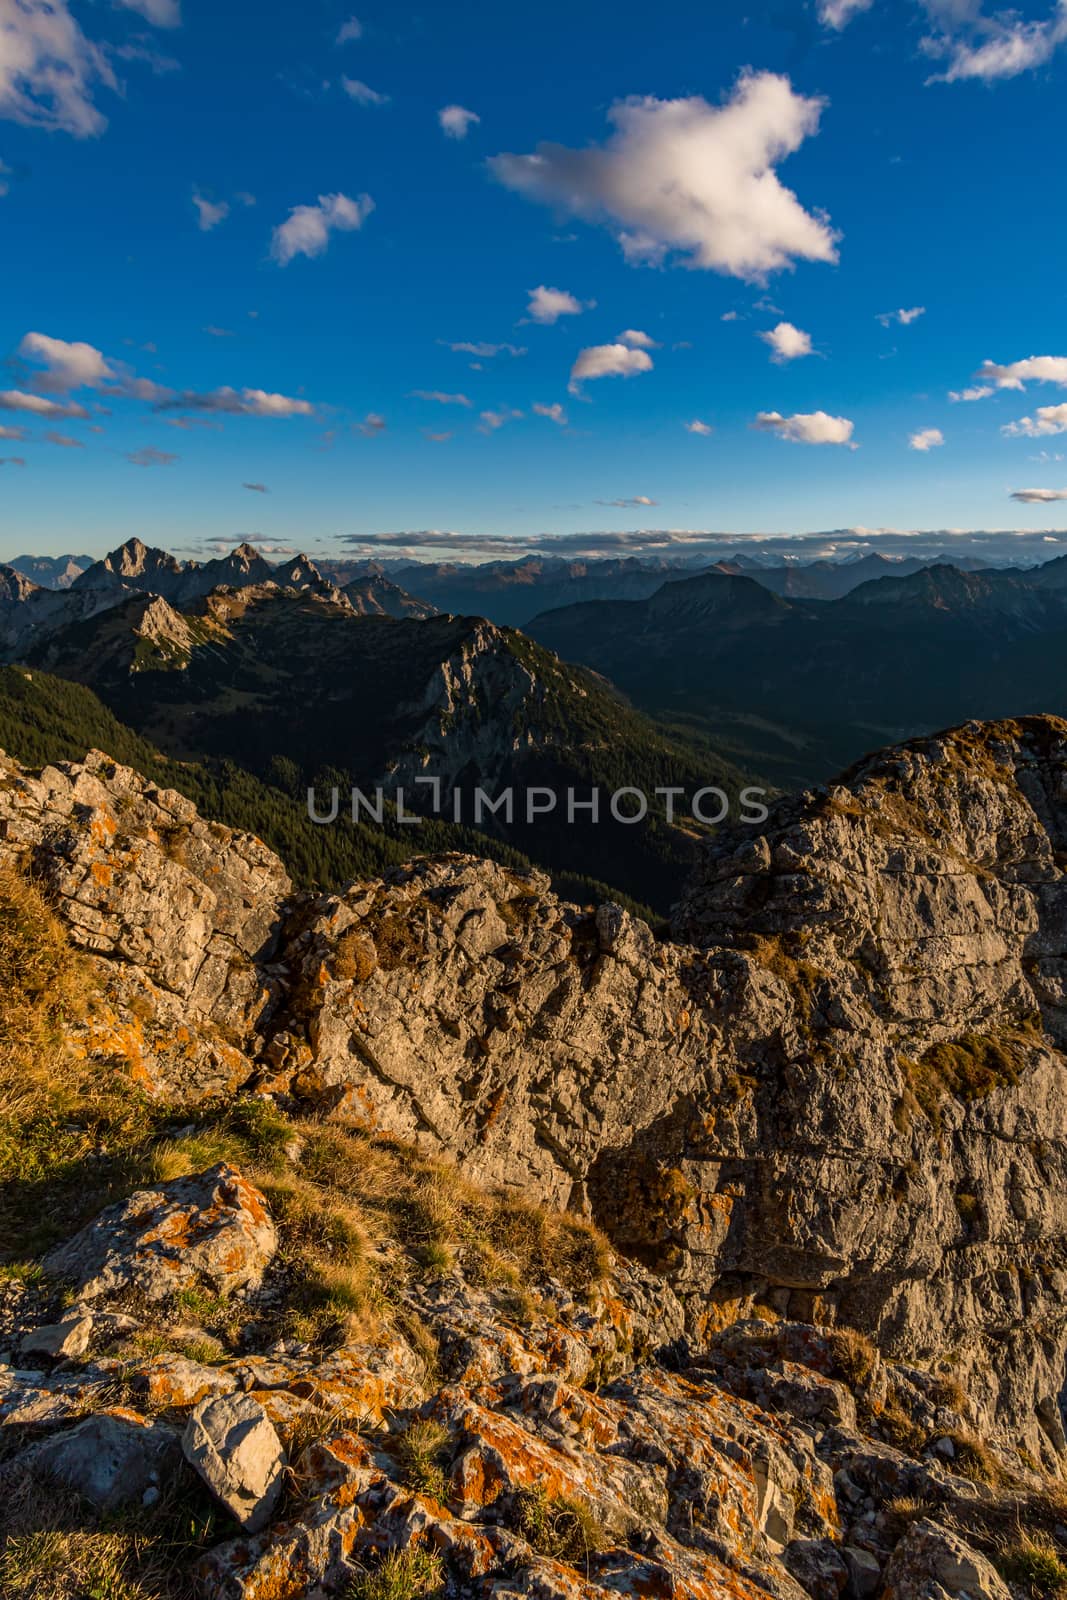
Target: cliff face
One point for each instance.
(837, 1095)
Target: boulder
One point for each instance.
(930, 1562)
(818, 1567)
(212, 1230)
(110, 1461)
(232, 1443)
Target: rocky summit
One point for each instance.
(440, 1236)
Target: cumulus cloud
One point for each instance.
(49, 70)
(37, 405)
(372, 425)
(440, 397)
(787, 342)
(1038, 497)
(1017, 374)
(256, 488)
(905, 316)
(66, 366)
(362, 93)
(976, 46)
(979, 391)
(209, 212)
(231, 402)
(639, 340)
(160, 13)
(456, 121)
(696, 426)
(815, 427)
(151, 457)
(482, 350)
(490, 421)
(554, 412)
(689, 177)
(548, 305)
(1048, 419)
(837, 14)
(350, 31)
(308, 228)
(608, 361)
(926, 439)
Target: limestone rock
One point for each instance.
(108, 1460)
(212, 1229)
(930, 1561)
(232, 1444)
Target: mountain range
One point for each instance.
(299, 685)
(798, 688)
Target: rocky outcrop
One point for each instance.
(209, 1232)
(835, 1095)
(183, 915)
(568, 1446)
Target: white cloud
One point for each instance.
(1035, 369)
(632, 501)
(160, 13)
(639, 340)
(548, 305)
(441, 398)
(491, 420)
(730, 316)
(307, 231)
(1038, 497)
(905, 316)
(13, 433)
(990, 48)
(256, 488)
(63, 441)
(350, 31)
(362, 93)
(229, 402)
(554, 413)
(38, 406)
(926, 439)
(787, 342)
(456, 121)
(484, 351)
(5, 173)
(49, 70)
(980, 391)
(837, 14)
(608, 361)
(696, 426)
(815, 427)
(372, 425)
(67, 366)
(209, 212)
(1049, 419)
(686, 176)
(151, 457)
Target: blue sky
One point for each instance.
(801, 167)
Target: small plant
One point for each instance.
(421, 1452)
(1034, 1564)
(973, 1459)
(400, 1575)
(854, 1356)
(563, 1529)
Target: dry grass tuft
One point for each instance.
(400, 1575)
(564, 1530)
